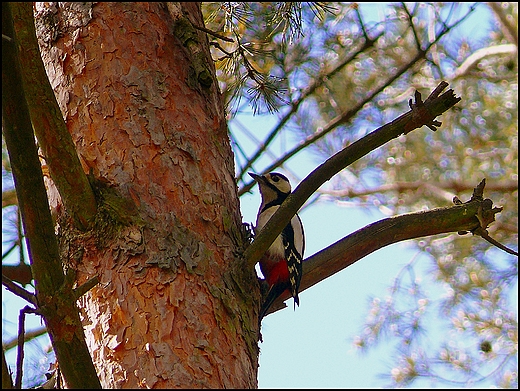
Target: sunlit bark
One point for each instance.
(171, 310)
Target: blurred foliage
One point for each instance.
(340, 74)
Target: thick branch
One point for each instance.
(20, 273)
(422, 113)
(335, 122)
(56, 301)
(49, 126)
(26, 168)
(9, 198)
(352, 248)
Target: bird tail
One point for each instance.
(273, 293)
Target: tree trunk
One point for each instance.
(173, 308)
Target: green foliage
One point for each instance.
(258, 33)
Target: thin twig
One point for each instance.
(412, 26)
(361, 23)
(21, 341)
(227, 54)
(18, 291)
(13, 246)
(485, 235)
(215, 34)
(20, 233)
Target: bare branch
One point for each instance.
(84, 288)
(441, 190)
(485, 235)
(421, 113)
(480, 54)
(345, 252)
(20, 273)
(9, 198)
(349, 114)
(27, 173)
(485, 215)
(29, 335)
(412, 26)
(215, 34)
(7, 381)
(21, 343)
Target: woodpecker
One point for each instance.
(281, 265)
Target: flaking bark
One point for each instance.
(174, 307)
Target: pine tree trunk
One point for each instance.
(173, 308)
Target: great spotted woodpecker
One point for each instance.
(281, 265)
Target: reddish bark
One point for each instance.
(169, 311)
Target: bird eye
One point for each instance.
(275, 178)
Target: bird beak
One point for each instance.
(260, 179)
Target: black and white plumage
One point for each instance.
(281, 265)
